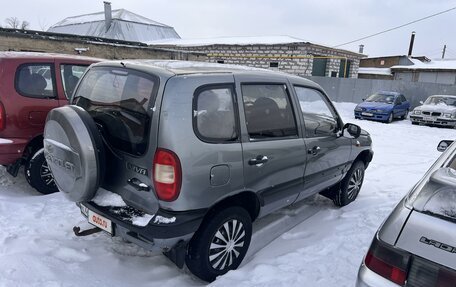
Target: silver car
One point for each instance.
(416, 245)
(184, 156)
(437, 110)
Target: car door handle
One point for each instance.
(314, 150)
(259, 160)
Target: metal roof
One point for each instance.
(125, 25)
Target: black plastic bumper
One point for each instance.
(184, 223)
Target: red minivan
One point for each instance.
(32, 84)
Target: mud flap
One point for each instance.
(177, 253)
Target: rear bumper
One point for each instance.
(443, 122)
(164, 234)
(11, 149)
(374, 117)
(368, 278)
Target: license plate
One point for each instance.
(367, 114)
(99, 221)
(431, 119)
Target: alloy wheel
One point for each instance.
(226, 244)
(354, 185)
(46, 175)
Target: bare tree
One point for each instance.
(25, 25)
(12, 22)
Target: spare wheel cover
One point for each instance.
(74, 152)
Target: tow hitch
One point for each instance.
(77, 231)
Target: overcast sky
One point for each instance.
(324, 21)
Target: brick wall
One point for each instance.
(294, 58)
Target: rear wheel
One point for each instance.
(39, 175)
(351, 185)
(405, 115)
(220, 244)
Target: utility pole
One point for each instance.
(443, 52)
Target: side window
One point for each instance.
(319, 118)
(70, 77)
(268, 111)
(398, 100)
(35, 80)
(213, 115)
(403, 99)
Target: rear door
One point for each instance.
(274, 153)
(35, 83)
(328, 152)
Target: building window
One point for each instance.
(344, 68)
(273, 64)
(220, 61)
(319, 66)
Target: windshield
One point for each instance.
(381, 98)
(118, 101)
(447, 101)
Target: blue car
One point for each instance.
(383, 106)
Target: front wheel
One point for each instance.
(39, 175)
(220, 243)
(350, 185)
(390, 118)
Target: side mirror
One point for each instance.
(443, 145)
(363, 100)
(421, 102)
(352, 129)
(445, 176)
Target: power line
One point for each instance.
(397, 27)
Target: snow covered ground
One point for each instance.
(310, 244)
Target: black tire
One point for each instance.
(390, 118)
(39, 175)
(350, 186)
(207, 263)
(415, 123)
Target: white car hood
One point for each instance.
(440, 108)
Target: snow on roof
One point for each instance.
(118, 14)
(432, 65)
(375, 71)
(242, 41)
(259, 40)
(125, 25)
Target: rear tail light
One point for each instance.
(2, 117)
(388, 261)
(167, 175)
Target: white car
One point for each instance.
(437, 110)
(416, 245)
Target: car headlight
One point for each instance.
(358, 109)
(417, 112)
(447, 115)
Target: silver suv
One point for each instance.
(185, 156)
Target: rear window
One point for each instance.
(118, 100)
